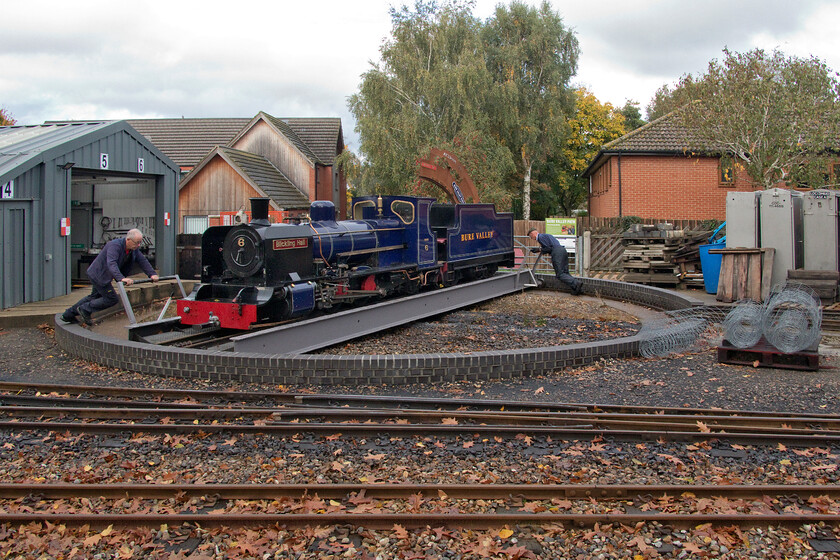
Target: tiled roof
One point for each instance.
(187, 141)
(283, 126)
(267, 177)
(665, 134)
(322, 135)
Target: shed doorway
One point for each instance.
(104, 206)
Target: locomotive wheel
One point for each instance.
(243, 252)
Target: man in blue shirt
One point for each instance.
(559, 259)
(114, 262)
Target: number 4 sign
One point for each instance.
(8, 190)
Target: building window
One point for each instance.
(195, 224)
(727, 171)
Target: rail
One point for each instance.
(321, 332)
(129, 312)
(524, 243)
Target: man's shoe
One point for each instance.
(86, 320)
(577, 291)
(67, 319)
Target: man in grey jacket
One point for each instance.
(114, 262)
(559, 259)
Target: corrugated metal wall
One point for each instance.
(44, 189)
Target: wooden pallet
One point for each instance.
(764, 354)
(651, 278)
(744, 273)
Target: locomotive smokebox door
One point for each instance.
(243, 251)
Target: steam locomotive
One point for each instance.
(261, 272)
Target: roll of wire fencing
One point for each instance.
(792, 318)
(679, 331)
(744, 324)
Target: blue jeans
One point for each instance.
(101, 297)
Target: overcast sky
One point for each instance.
(185, 58)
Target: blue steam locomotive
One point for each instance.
(262, 272)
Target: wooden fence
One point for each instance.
(606, 235)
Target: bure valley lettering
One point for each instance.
(477, 235)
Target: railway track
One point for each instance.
(416, 505)
(207, 412)
(449, 425)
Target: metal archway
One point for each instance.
(436, 168)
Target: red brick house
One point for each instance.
(656, 171)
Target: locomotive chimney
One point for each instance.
(259, 211)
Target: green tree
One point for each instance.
(429, 90)
(670, 98)
(632, 115)
(6, 118)
(531, 57)
(592, 125)
(777, 116)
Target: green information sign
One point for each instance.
(561, 227)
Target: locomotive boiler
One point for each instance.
(261, 272)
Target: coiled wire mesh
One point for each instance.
(679, 331)
(744, 324)
(792, 318)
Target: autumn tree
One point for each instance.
(531, 56)
(592, 125)
(429, 90)
(6, 118)
(778, 117)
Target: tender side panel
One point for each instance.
(480, 235)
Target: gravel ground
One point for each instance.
(692, 379)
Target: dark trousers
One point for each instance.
(100, 297)
(560, 262)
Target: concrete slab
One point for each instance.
(35, 313)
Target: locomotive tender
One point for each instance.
(259, 272)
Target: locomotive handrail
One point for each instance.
(373, 250)
(129, 312)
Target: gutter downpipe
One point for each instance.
(619, 184)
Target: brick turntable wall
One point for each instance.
(305, 369)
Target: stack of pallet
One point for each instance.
(823, 282)
(648, 253)
(687, 258)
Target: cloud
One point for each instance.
(96, 59)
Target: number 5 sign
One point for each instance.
(8, 190)
(103, 161)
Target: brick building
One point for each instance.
(224, 162)
(658, 171)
